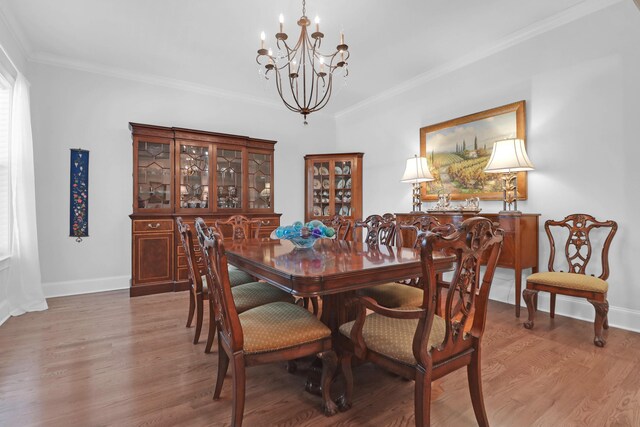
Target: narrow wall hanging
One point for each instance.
(79, 194)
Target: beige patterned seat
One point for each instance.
(395, 295)
(580, 282)
(254, 294)
(393, 338)
(263, 327)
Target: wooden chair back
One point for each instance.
(465, 307)
(578, 248)
(420, 225)
(242, 228)
(217, 273)
(341, 224)
(381, 230)
(186, 237)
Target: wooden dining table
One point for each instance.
(332, 270)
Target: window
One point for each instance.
(5, 163)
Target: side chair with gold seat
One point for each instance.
(407, 293)
(269, 333)
(418, 344)
(247, 295)
(578, 250)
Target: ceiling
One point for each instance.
(213, 43)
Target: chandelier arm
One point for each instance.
(279, 89)
(325, 97)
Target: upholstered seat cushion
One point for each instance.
(238, 277)
(279, 325)
(250, 295)
(393, 338)
(393, 295)
(580, 282)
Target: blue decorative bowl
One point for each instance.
(304, 235)
(300, 242)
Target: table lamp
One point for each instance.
(509, 157)
(417, 171)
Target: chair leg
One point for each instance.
(474, 377)
(552, 308)
(606, 322)
(223, 365)
(192, 308)
(238, 372)
(314, 303)
(530, 296)
(212, 328)
(329, 365)
(199, 316)
(345, 401)
(602, 308)
(423, 398)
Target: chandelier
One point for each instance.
(303, 75)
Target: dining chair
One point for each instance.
(396, 294)
(416, 343)
(341, 224)
(247, 295)
(380, 229)
(269, 333)
(578, 250)
(241, 228)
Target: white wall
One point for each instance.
(79, 109)
(581, 85)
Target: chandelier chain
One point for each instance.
(304, 7)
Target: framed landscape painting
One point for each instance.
(458, 151)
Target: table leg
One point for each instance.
(518, 289)
(334, 313)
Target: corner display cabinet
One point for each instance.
(173, 176)
(333, 186)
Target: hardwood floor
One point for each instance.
(107, 359)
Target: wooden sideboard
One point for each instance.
(171, 178)
(520, 247)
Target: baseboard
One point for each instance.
(87, 286)
(503, 290)
(4, 311)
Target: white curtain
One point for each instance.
(25, 284)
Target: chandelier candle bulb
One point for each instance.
(262, 38)
(341, 37)
(317, 23)
(281, 19)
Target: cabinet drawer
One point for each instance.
(152, 225)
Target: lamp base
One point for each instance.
(417, 203)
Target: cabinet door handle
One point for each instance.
(265, 222)
(157, 225)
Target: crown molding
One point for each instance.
(121, 73)
(558, 20)
(16, 31)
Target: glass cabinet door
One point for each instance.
(342, 189)
(154, 175)
(194, 177)
(259, 181)
(321, 189)
(229, 178)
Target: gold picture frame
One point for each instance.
(458, 167)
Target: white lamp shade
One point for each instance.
(417, 170)
(509, 155)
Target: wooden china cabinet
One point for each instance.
(333, 186)
(172, 176)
